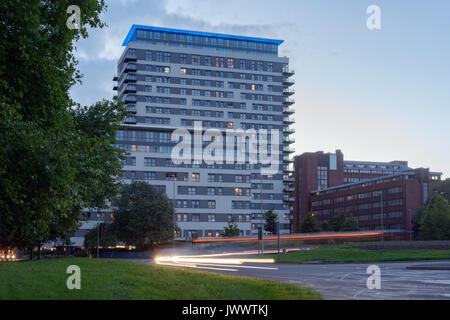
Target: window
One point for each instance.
(166, 69)
(212, 204)
(195, 177)
(196, 60)
(195, 204)
(211, 217)
(195, 217)
(149, 162)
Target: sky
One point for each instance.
(377, 95)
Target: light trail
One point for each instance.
(212, 262)
(305, 237)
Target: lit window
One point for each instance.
(166, 69)
(183, 70)
(195, 177)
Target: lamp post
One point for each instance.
(174, 176)
(410, 224)
(381, 206)
(262, 214)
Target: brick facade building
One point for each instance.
(380, 195)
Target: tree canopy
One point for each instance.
(144, 216)
(56, 156)
(271, 220)
(231, 229)
(309, 224)
(435, 219)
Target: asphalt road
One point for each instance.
(348, 281)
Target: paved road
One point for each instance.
(348, 280)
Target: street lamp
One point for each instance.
(262, 214)
(381, 206)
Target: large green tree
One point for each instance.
(271, 220)
(144, 216)
(435, 219)
(53, 162)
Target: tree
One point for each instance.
(107, 239)
(144, 216)
(231, 230)
(435, 220)
(350, 224)
(325, 226)
(341, 222)
(271, 220)
(309, 224)
(54, 160)
(443, 188)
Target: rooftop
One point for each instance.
(132, 34)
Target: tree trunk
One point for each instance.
(31, 253)
(39, 252)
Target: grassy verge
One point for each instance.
(111, 279)
(345, 253)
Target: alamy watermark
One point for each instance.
(374, 280)
(238, 146)
(74, 280)
(74, 21)
(374, 20)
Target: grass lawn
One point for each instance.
(345, 253)
(112, 279)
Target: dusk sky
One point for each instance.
(378, 95)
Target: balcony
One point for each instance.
(130, 120)
(288, 101)
(288, 140)
(130, 99)
(287, 159)
(115, 78)
(288, 150)
(287, 168)
(115, 88)
(131, 67)
(131, 109)
(288, 120)
(287, 130)
(288, 178)
(287, 110)
(288, 92)
(288, 189)
(288, 198)
(130, 88)
(288, 72)
(288, 82)
(130, 57)
(130, 78)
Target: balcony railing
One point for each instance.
(288, 130)
(131, 67)
(287, 110)
(288, 101)
(130, 78)
(288, 92)
(288, 120)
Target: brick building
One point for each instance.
(380, 195)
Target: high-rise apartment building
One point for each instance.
(177, 79)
